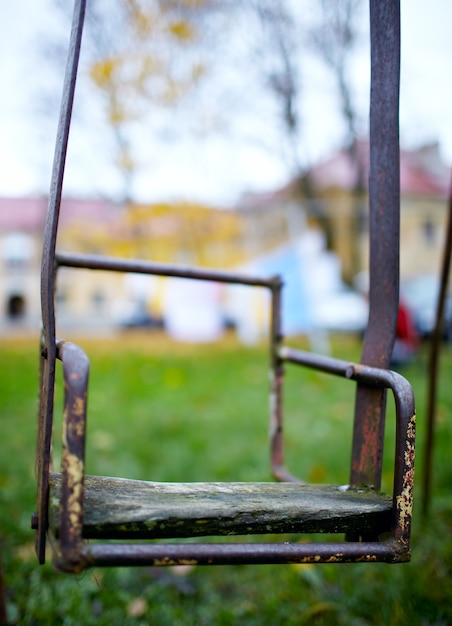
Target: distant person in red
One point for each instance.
(407, 339)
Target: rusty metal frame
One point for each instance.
(372, 375)
(73, 554)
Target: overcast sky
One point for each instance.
(219, 168)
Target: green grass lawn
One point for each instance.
(201, 414)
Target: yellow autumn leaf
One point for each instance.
(181, 30)
(103, 72)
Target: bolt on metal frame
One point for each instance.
(371, 375)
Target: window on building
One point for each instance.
(61, 298)
(16, 307)
(17, 250)
(98, 300)
(429, 231)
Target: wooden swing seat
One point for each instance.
(118, 508)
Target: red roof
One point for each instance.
(22, 213)
(29, 214)
(422, 172)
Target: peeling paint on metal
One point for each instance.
(168, 561)
(78, 408)
(405, 499)
(74, 470)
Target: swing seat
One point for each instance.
(103, 521)
(117, 508)
(82, 508)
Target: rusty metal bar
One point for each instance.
(384, 197)
(237, 553)
(373, 378)
(435, 348)
(278, 468)
(75, 374)
(48, 279)
(137, 266)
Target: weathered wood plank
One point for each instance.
(119, 508)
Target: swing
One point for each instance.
(104, 521)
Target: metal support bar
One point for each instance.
(435, 348)
(278, 468)
(238, 554)
(384, 197)
(48, 280)
(114, 264)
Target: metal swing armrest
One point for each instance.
(402, 497)
(75, 375)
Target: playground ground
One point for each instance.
(167, 411)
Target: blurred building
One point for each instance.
(333, 196)
(21, 225)
(331, 200)
(92, 300)
(21, 232)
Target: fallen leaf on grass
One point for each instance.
(137, 607)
